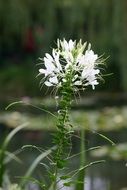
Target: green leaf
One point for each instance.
(64, 177)
(106, 138)
(11, 156)
(3, 152)
(12, 133)
(67, 184)
(36, 162)
(28, 104)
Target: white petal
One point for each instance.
(90, 57)
(56, 59)
(85, 73)
(58, 65)
(75, 77)
(53, 80)
(96, 71)
(42, 71)
(58, 43)
(79, 57)
(54, 53)
(94, 83)
(49, 57)
(65, 45)
(47, 83)
(78, 83)
(71, 45)
(64, 80)
(49, 66)
(67, 65)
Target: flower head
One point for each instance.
(72, 63)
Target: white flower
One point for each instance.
(67, 49)
(56, 59)
(90, 57)
(48, 61)
(53, 80)
(68, 64)
(47, 83)
(78, 83)
(92, 83)
(67, 46)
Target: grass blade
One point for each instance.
(35, 164)
(28, 104)
(4, 150)
(12, 133)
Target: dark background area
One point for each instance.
(28, 29)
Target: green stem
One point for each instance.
(2, 165)
(62, 137)
(55, 178)
(81, 176)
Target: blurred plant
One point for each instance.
(68, 70)
(43, 154)
(72, 67)
(6, 156)
(12, 187)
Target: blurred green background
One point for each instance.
(28, 29)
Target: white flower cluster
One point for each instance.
(70, 57)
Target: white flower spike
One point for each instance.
(73, 63)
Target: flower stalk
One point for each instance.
(62, 137)
(71, 67)
(63, 126)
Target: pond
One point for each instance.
(108, 121)
(110, 175)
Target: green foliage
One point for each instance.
(81, 176)
(70, 19)
(19, 81)
(3, 152)
(12, 187)
(44, 154)
(117, 152)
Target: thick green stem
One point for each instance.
(55, 178)
(62, 137)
